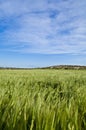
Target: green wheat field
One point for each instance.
(42, 99)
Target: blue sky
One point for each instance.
(35, 33)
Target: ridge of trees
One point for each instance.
(76, 67)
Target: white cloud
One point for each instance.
(44, 26)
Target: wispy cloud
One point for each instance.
(43, 26)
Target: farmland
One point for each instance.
(41, 99)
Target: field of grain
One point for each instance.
(42, 99)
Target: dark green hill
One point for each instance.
(77, 67)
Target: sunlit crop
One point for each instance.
(42, 99)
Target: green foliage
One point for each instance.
(42, 99)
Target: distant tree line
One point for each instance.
(66, 67)
(14, 68)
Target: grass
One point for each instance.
(42, 99)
